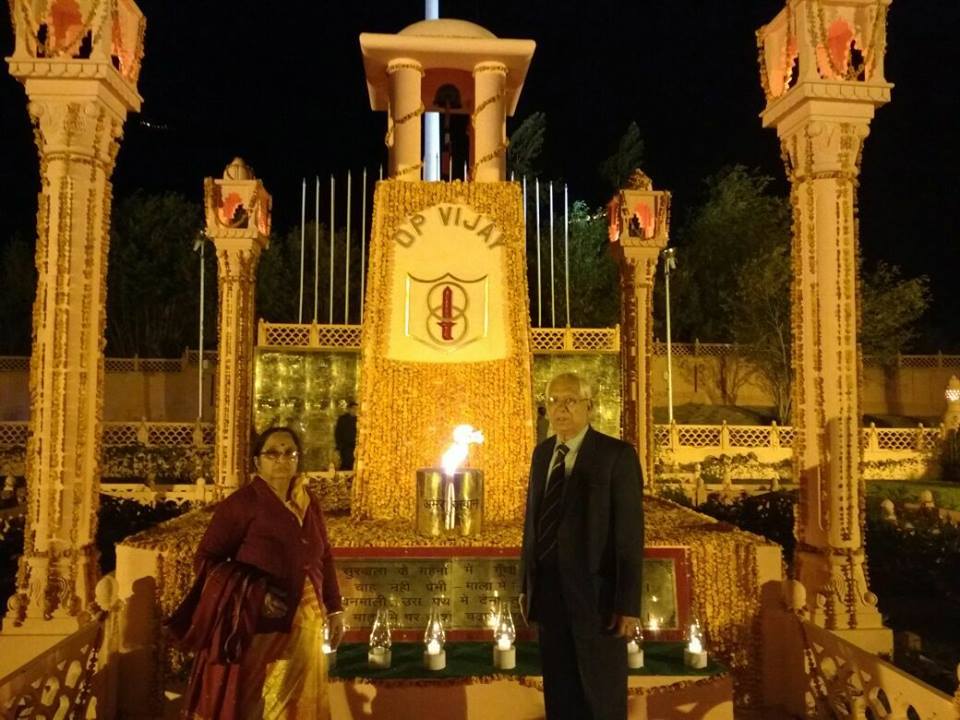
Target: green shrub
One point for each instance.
(769, 515)
(950, 457)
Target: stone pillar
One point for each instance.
(489, 123)
(639, 229)
(238, 221)
(406, 108)
(822, 71)
(81, 81)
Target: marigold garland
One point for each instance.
(723, 566)
(408, 409)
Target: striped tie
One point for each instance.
(551, 506)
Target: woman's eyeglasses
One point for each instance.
(277, 456)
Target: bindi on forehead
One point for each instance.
(280, 440)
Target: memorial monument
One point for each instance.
(446, 343)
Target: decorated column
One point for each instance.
(639, 219)
(238, 222)
(406, 108)
(822, 71)
(79, 70)
(490, 122)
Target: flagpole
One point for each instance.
(346, 289)
(566, 248)
(363, 242)
(332, 198)
(553, 300)
(316, 249)
(303, 242)
(536, 201)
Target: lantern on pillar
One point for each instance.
(237, 208)
(639, 223)
(812, 41)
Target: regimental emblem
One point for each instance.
(446, 312)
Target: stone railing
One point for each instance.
(308, 335)
(698, 349)
(575, 340)
(675, 444)
(65, 681)
(694, 349)
(199, 492)
(812, 672)
(332, 486)
(859, 685)
(910, 453)
(20, 363)
(150, 434)
(347, 338)
(13, 439)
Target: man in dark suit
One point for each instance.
(345, 435)
(582, 557)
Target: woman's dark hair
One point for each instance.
(262, 438)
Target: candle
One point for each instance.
(504, 654)
(632, 647)
(433, 647)
(326, 648)
(379, 657)
(694, 655)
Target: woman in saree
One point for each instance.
(265, 586)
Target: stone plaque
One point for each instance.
(462, 589)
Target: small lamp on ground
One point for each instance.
(379, 655)
(504, 651)
(694, 655)
(635, 649)
(434, 637)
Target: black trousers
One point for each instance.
(584, 675)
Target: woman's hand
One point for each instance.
(335, 623)
(273, 606)
(623, 625)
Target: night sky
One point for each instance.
(284, 88)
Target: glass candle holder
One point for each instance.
(434, 639)
(379, 655)
(635, 648)
(504, 651)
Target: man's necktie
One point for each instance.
(551, 506)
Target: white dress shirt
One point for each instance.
(573, 447)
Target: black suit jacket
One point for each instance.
(600, 537)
